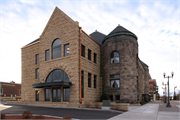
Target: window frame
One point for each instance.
(89, 54)
(1, 91)
(54, 47)
(95, 81)
(49, 94)
(37, 73)
(89, 80)
(37, 59)
(114, 77)
(95, 58)
(83, 50)
(67, 50)
(46, 55)
(114, 57)
(63, 94)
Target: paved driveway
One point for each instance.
(60, 112)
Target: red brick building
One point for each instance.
(153, 90)
(8, 89)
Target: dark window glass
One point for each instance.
(114, 83)
(89, 79)
(37, 73)
(56, 94)
(57, 75)
(56, 49)
(46, 55)
(1, 91)
(115, 57)
(82, 83)
(89, 54)
(114, 76)
(19, 92)
(66, 50)
(117, 98)
(37, 58)
(95, 57)
(37, 95)
(83, 50)
(95, 81)
(47, 94)
(111, 98)
(66, 94)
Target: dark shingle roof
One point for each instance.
(120, 30)
(144, 64)
(98, 37)
(33, 42)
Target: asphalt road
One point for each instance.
(60, 112)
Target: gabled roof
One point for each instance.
(144, 64)
(33, 42)
(120, 30)
(98, 37)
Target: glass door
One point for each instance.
(56, 95)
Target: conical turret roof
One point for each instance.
(120, 30)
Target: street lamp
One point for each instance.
(164, 74)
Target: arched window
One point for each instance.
(114, 57)
(56, 49)
(57, 76)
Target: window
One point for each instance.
(46, 55)
(37, 73)
(37, 58)
(114, 57)
(66, 50)
(1, 91)
(95, 80)
(82, 83)
(114, 76)
(150, 87)
(89, 54)
(83, 50)
(95, 57)
(37, 95)
(66, 94)
(47, 94)
(114, 81)
(117, 98)
(56, 49)
(19, 92)
(57, 75)
(89, 79)
(56, 94)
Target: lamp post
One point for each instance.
(172, 73)
(165, 91)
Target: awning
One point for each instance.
(49, 84)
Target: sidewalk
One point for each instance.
(150, 111)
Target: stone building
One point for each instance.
(68, 66)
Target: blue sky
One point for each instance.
(155, 23)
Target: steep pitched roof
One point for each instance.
(33, 42)
(144, 64)
(98, 37)
(120, 30)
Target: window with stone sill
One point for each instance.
(56, 49)
(114, 57)
(114, 81)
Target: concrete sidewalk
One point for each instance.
(148, 111)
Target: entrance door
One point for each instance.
(37, 95)
(56, 95)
